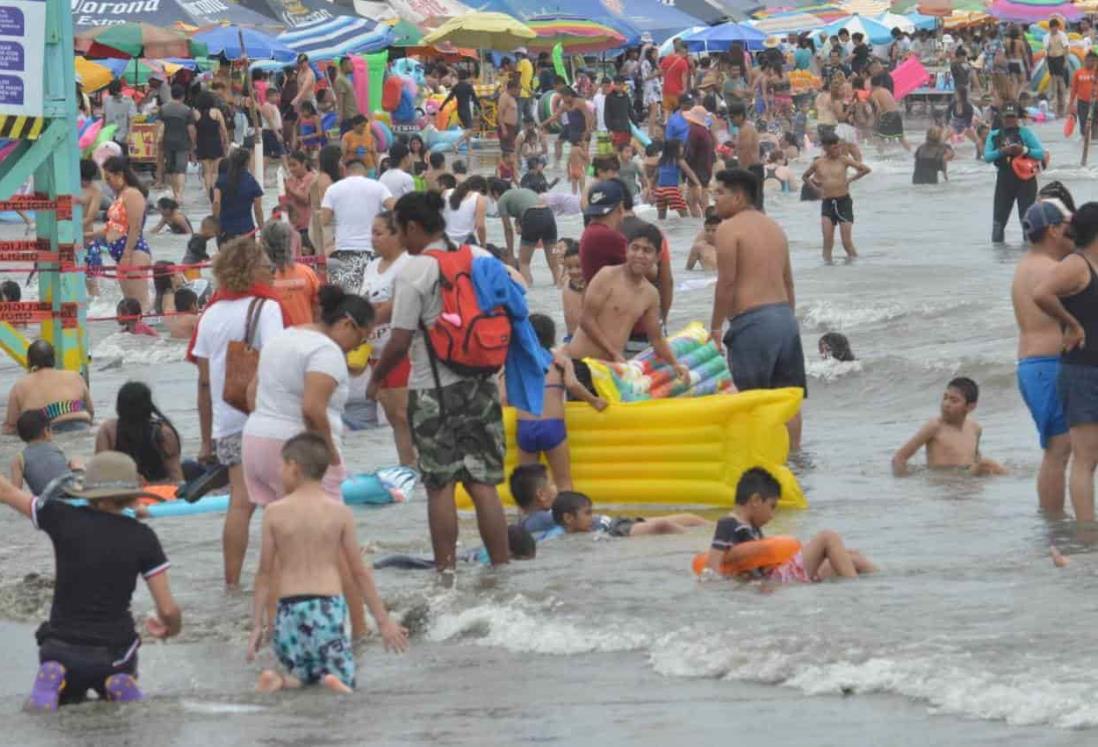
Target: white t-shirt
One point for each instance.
(399, 182)
(599, 100)
(283, 364)
(377, 287)
(220, 324)
(355, 201)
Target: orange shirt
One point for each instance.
(1082, 84)
(359, 146)
(297, 289)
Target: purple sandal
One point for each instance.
(122, 688)
(48, 684)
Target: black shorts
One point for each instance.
(621, 526)
(87, 667)
(272, 146)
(175, 161)
(838, 209)
(539, 224)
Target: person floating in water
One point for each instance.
(834, 345)
(953, 438)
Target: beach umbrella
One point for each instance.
(939, 7)
(788, 23)
(668, 45)
(576, 35)
(128, 40)
(721, 38)
(226, 41)
(874, 32)
(92, 75)
(866, 8)
(483, 30)
(338, 37)
(959, 19)
(405, 34)
(1032, 11)
(138, 72)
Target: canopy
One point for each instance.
(295, 14)
(874, 32)
(868, 8)
(939, 7)
(657, 19)
(420, 13)
(338, 37)
(788, 23)
(482, 30)
(92, 72)
(1032, 11)
(907, 23)
(709, 11)
(128, 40)
(225, 41)
(576, 35)
(88, 14)
(720, 38)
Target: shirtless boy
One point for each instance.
(704, 250)
(616, 299)
(754, 293)
(507, 114)
(304, 535)
(571, 294)
(890, 125)
(952, 439)
(828, 174)
(1039, 344)
(747, 147)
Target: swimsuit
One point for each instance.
(536, 436)
(1037, 382)
(764, 348)
(838, 209)
(55, 410)
(117, 221)
(309, 639)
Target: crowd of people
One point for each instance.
(408, 275)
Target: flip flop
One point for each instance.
(122, 688)
(48, 684)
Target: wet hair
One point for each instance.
(310, 453)
(357, 120)
(31, 425)
(526, 480)
(740, 180)
(545, 329)
(838, 346)
(89, 170)
(446, 181)
(568, 502)
(328, 160)
(276, 241)
(571, 247)
(139, 432)
(167, 203)
(829, 138)
(670, 153)
(40, 355)
(398, 151)
(712, 217)
(967, 387)
(185, 299)
(606, 163)
(1085, 224)
(128, 310)
(336, 304)
(475, 183)
(648, 232)
(1057, 191)
(520, 543)
(10, 291)
(307, 108)
(422, 208)
(497, 187)
(162, 283)
(236, 264)
(437, 160)
(120, 165)
(757, 481)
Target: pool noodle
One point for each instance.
(639, 136)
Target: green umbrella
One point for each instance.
(406, 34)
(128, 40)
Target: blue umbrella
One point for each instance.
(224, 41)
(338, 37)
(720, 38)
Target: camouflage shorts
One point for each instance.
(465, 444)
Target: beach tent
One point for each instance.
(87, 14)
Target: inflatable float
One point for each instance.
(748, 556)
(688, 450)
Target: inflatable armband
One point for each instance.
(748, 556)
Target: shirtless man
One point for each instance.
(890, 125)
(828, 174)
(306, 83)
(508, 117)
(305, 536)
(747, 147)
(704, 250)
(754, 293)
(616, 299)
(1039, 344)
(830, 109)
(952, 439)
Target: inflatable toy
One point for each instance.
(545, 110)
(690, 450)
(390, 92)
(447, 115)
(909, 75)
(558, 63)
(383, 136)
(376, 64)
(639, 135)
(438, 141)
(646, 377)
(748, 556)
(360, 79)
(1039, 81)
(89, 131)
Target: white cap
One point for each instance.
(520, 50)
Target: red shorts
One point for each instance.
(397, 378)
(620, 138)
(668, 197)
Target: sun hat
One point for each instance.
(698, 115)
(109, 474)
(772, 42)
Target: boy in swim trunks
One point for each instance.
(828, 174)
(824, 556)
(306, 535)
(952, 439)
(572, 513)
(546, 434)
(704, 250)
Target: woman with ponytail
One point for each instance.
(143, 432)
(301, 385)
(465, 211)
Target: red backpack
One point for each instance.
(469, 340)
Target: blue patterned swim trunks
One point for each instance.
(309, 639)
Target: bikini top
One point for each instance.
(117, 220)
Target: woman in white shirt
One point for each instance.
(465, 211)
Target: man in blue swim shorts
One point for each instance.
(755, 294)
(1047, 226)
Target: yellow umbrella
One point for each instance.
(91, 75)
(497, 31)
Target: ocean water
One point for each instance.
(968, 635)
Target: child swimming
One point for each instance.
(823, 557)
(704, 250)
(533, 493)
(572, 513)
(834, 345)
(952, 439)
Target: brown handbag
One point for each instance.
(242, 362)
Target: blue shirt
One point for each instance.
(669, 175)
(999, 139)
(802, 59)
(236, 208)
(538, 521)
(677, 127)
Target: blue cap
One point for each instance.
(603, 198)
(1040, 216)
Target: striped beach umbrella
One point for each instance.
(338, 37)
(1032, 11)
(788, 23)
(576, 35)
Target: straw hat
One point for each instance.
(699, 115)
(109, 474)
(772, 42)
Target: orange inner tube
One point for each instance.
(748, 556)
(166, 493)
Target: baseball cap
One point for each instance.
(603, 198)
(1042, 215)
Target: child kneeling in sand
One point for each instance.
(304, 534)
(823, 557)
(572, 513)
